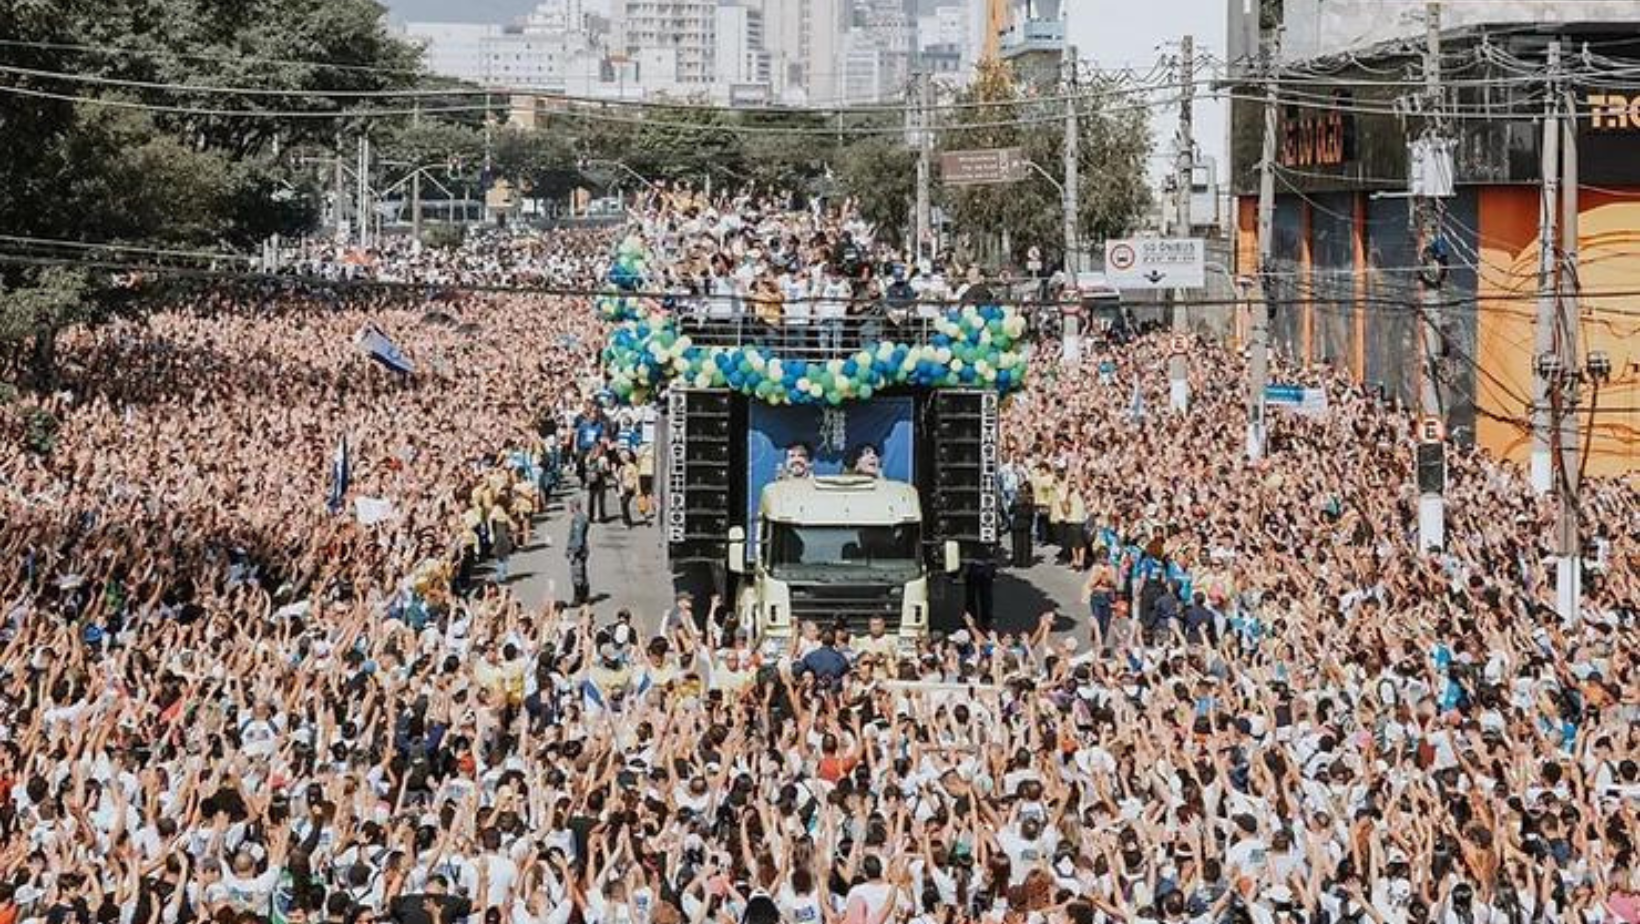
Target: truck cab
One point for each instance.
(838, 546)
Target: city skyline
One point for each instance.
(1105, 41)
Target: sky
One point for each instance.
(1110, 33)
(1113, 34)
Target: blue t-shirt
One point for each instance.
(588, 433)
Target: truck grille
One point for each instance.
(827, 603)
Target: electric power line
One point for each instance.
(1391, 304)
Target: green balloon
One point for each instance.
(833, 397)
(865, 391)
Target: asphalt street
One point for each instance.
(627, 567)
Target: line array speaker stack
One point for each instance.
(699, 493)
(960, 469)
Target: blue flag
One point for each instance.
(341, 472)
(374, 343)
(1136, 408)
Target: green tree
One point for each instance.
(1114, 145)
(34, 312)
(880, 173)
(120, 141)
(540, 164)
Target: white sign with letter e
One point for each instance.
(1156, 263)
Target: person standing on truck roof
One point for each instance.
(798, 310)
(832, 309)
(975, 291)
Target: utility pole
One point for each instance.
(1258, 365)
(339, 196)
(1431, 490)
(925, 163)
(1073, 157)
(364, 190)
(415, 187)
(484, 179)
(1178, 368)
(1569, 563)
(1542, 462)
(1070, 352)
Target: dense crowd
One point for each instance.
(489, 257)
(755, 258)
(214, 706)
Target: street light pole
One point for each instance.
(593, 162)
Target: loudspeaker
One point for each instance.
(960, 468)
(699, 493)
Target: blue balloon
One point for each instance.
(941, 340)
(850, 368)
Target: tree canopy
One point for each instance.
(1113, 147)
(120, 132)
(210, 125)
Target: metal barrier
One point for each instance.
(806, 338)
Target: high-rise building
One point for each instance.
(493, 56)
(1034, 44)
(824, 22)
(865, 68)
(1320, 28)
(894, 32)
(739, 57)
(682, 32)
(455, 49)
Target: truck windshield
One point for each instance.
(810, 552)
